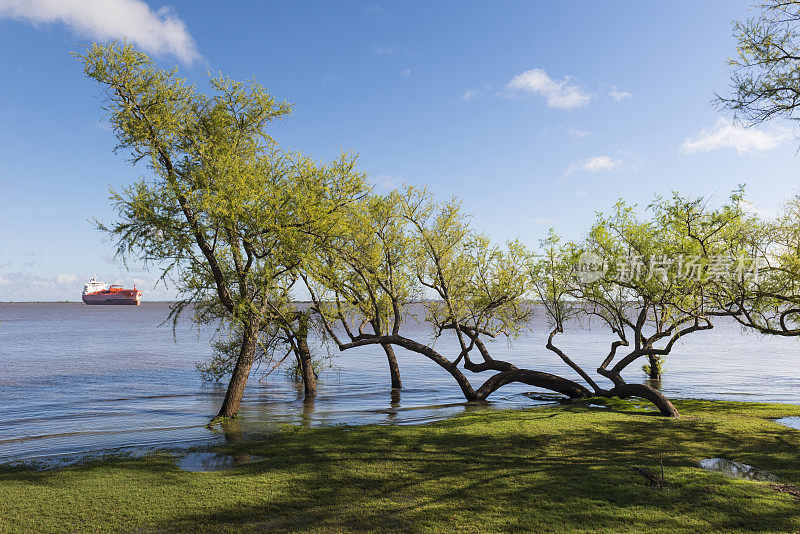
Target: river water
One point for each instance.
(77, 379)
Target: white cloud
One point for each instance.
(406, 73)
(479, 92)
(749, 207)
(67, 279)
(726, 134)
(388, 50)
(388, 183)
(158, 32)
(625, 161)
(470, 94)
(595, 164)
(578, 133)
(581, 193)
(619, 96)
(558, 94)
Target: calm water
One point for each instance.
(76, 379)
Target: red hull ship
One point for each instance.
(96, 292)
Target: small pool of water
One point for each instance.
(735, 469)
(211, 461)
(791, 422)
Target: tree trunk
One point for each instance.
(307, 369)
(533, 378)
(394, 370)
(304, 356)
(241, 372)
(624, 391)
(654, 367)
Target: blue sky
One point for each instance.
(535, 114)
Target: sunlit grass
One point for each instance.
(564, 468)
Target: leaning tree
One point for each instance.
(766, 297)
(224, 214)
(649, 285)
(648, 280)
(367, 270)
(367, 290)
(765, 86)
(283, 336)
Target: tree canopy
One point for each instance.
(237, 223)
(225, 214)
(765, 77)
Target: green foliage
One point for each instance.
(277, 347)
(226, 347)
(405, 247)
(655, 366)
(765, 84)
(765, 78)
(655, 277)
(227, 216)
(769, 300)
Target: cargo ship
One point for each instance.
(96, 292)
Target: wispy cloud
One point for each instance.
(470, 94)
(388, 50)
(578, 134)
(63, 279)
(159, 32)
(618, 95)
(749, 207)
(388, 183)
(595, 164)
(623, 161)
(560, 94)
(726, 134)
(406, 73)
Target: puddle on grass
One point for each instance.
(791, 422)
(550, 398)
(735, 469)
(211, 461)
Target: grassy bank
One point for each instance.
(565, 468)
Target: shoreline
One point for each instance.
(554, 468)
(70, 459)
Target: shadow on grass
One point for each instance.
(565, 468)
(559, 470)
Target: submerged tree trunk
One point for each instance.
(394, 370)
(241, 372)
(306, 368)
(654, 367)
(537, 379)
(304, 358)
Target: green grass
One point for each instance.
(565, 468)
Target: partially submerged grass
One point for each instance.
(562, 468)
